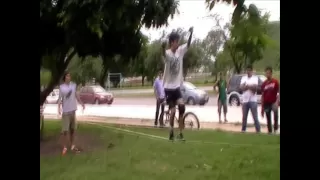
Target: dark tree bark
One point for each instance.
(62, 64)
(142, 80)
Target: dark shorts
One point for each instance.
(172, 95)
(222, 104)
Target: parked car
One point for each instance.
(192, 95)
(234, 92)
(95, 95)
(52, 98)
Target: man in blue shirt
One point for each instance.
(160, 96)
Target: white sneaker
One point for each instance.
(276, 132)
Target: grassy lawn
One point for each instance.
(224, 156)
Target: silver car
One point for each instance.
(192, 95)
(234, 92)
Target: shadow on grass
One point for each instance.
(87, 139)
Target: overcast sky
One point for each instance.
(194, 13)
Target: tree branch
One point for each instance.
(62, 64)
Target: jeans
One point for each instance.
(159, 103)
(253, 107)
(268, 108)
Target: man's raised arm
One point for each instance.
(184, 47)
(190, 37)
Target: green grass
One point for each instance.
(136, 157)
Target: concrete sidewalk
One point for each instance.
(146, 91)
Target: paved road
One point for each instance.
(151, 101)
(143, 91)
(205, 113)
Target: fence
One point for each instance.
(195, 78)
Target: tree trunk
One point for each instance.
(246, 63)
(237, 67)
(233, 56)
(62, 64)
(142, 80)
(102, 79)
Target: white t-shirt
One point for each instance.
(173, 68)
(67, 94)
(249, 96)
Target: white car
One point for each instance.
(52, 98)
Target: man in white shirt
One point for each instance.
(173, 78)
(249, 85)
(68, 98)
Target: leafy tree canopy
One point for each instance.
(92, 28)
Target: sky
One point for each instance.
(194, 13)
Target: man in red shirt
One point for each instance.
(270, 99)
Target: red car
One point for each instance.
(95, 95)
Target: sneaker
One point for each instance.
(171, 136)
(64, 151)
(275, 131)
(180, 137)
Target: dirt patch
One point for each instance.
(86, 142)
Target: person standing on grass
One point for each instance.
(270, 100)
(222, 96)
(173, 78)
(249, 85)
(68, 98)
(160, 97)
